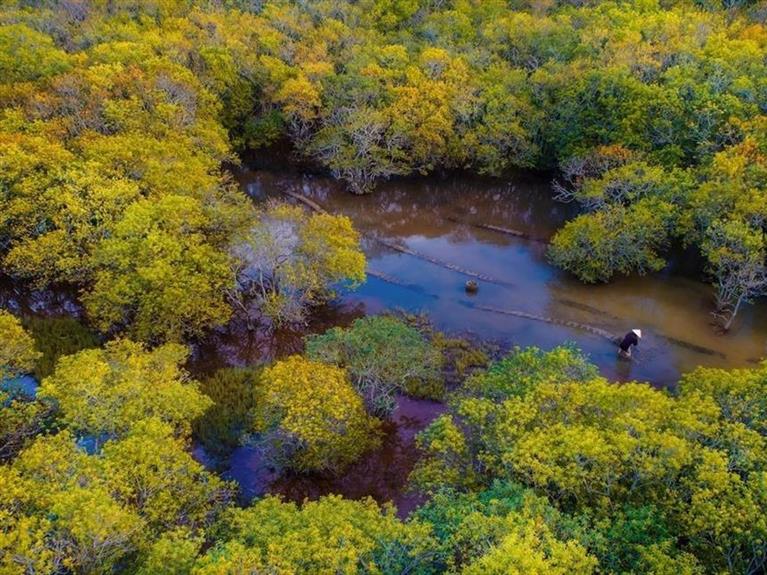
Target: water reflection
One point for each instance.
(241, 344)
(441, 218)
(382, 474)
(21, 299)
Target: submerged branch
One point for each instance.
(551, 320)
(441, 263)
(392, 246)
(497, 229)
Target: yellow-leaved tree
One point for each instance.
(332, 535)
(684, 474)
(159, 274)
(20, 415)
(105, 392)
(17, 347)
(310, 418)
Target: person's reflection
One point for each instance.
(623, 369)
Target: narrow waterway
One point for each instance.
(449, 220)
(424, 239)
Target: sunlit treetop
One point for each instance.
(105, 392)
(17, 348)
(310, 416)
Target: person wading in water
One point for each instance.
(630, 339)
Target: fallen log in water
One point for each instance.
(438, 262)
(585, 307)
(384, 277)
(392, 246)
(615, 339)
(500, 230)
(306, 201)
(497, 229)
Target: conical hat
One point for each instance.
(638, 332)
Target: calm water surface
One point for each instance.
(440, 218)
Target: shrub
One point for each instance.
(310, 417)
(617, 240)
(289, 262)
(384, 356)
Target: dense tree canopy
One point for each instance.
(601, 452)
(118, 121)
(332, 535)
(104, 106)
(20, 415)
(116, 475)
(539, 465)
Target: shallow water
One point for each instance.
(381, 474)
(439, 217)
(24, 385)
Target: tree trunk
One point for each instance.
(728, 324)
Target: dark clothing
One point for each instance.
(628, 340)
